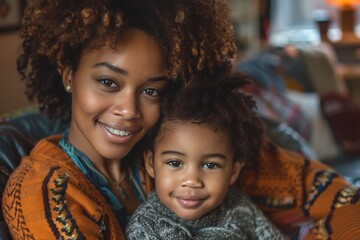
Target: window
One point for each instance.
(293, 21)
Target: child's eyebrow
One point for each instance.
(172, 152)
(211, 155)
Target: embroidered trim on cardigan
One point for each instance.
(344, 197)
(64, 218)
(47, 208)
(321, 181)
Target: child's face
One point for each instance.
(193, 166)
(115, 96)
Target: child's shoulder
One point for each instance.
(235, 196)
(148, 211)
(239, 204)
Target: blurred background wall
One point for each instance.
(12, 94)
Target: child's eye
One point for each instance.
(211, 165)
(174, 163)
(151, 92)
(108, 83)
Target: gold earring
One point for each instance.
(68, 88)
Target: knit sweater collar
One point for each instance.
(213, 219)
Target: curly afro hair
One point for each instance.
(194, 34)
(220, 103)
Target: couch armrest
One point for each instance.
(286, 137)
(19, 134)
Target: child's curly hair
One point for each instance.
(194, 35)
(220, 103)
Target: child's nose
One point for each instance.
(192, 180)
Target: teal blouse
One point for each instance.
(87, 167)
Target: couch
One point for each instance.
(290, 84)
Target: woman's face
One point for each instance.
(115, 96)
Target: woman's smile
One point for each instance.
(119, 133)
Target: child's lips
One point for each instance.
(190, 202)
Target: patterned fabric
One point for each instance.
(236, 218)
(48, 197)
(87, 167)
(302, 197)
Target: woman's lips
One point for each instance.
(118, 134)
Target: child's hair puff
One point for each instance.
(217, 101)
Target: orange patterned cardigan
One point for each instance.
(47, 197)
(304, 198)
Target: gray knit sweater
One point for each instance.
(236, 218)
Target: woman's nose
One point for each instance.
(127, 106)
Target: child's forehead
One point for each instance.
(176, 123)
(171, 126)
(198, 140)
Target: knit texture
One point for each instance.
(236, 218)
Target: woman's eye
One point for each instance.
(211, 165)
(174, 163)
(151, 92)
(108, 83)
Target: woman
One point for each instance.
(104, 67)
(115, 59)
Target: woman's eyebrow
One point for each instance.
(111, 67)
(159, 79)
(121, 71)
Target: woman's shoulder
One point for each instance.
(48, 192)
(44, 158)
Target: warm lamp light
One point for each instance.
(347, 18)
(343, 2)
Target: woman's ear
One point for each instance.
(149, 163)
(237, 166)
(67, 79)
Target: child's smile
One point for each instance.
(193, 166)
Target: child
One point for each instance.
(195, 156)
